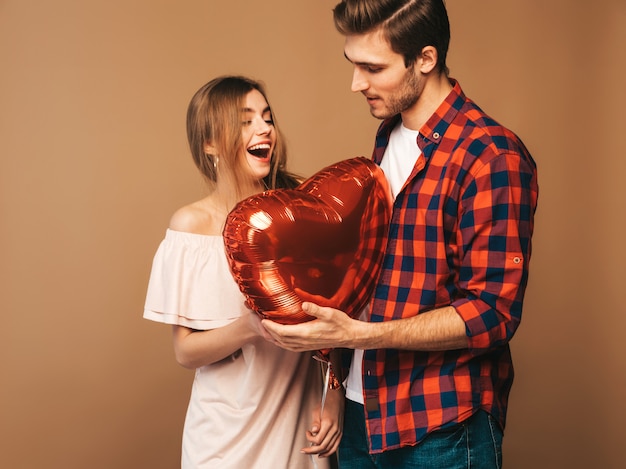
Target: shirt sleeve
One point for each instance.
(191, 284)
(496, 227)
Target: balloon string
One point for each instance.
(324, 394)
(326, 381)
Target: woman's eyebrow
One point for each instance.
(248, 109)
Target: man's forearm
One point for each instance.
(439, 329)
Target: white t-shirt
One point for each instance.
(398, 162)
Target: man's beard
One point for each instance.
(403, 99)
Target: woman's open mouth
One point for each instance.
(260, 150)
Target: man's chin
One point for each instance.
(379, 113)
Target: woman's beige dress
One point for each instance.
(250, 410)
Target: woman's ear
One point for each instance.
(428, 59)
(209, 149)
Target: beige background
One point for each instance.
(94, 161)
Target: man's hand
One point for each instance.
(435, 330)
(331, 329)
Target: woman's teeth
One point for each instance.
(260, 150)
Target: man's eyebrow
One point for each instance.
(362, 64)
(348, 58)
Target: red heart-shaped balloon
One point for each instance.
(323, 242)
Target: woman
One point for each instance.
(253, 404)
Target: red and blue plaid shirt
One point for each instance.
(460, 235)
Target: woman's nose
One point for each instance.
(263, 127)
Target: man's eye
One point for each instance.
(374, 69)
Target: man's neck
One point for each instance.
(436, 90)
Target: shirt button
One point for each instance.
(436, 135)
(517, 260)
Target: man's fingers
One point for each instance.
(315, 310)
(311, 309)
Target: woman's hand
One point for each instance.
(325, 433)
(252, 322)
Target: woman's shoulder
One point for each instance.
(199, 217)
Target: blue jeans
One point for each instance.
(475, 443)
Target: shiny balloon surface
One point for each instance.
(321, 242)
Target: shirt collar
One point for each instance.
(436, 126)
(433, 129)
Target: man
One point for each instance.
(432, 385)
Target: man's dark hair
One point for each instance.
(408, 25)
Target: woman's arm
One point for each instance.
(194, 349)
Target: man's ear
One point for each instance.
(428, 60)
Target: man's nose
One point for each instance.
(359, 83)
